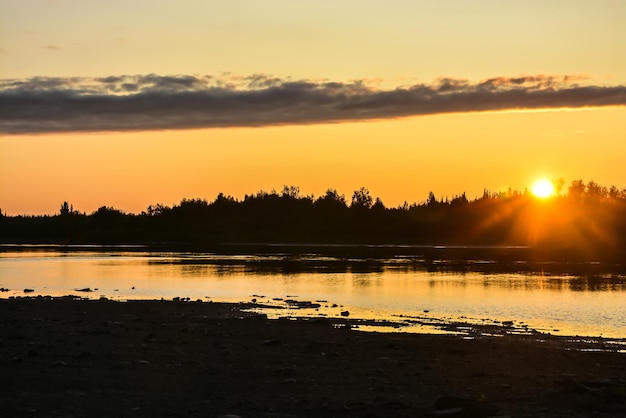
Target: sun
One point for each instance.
(543, 189)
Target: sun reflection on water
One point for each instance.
(411, 292)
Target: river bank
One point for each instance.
(68, 357)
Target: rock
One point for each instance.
(85, 289)
(345, 313)
(29, 290)
(302, 304)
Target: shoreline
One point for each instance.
(75, 357)
(361, 319)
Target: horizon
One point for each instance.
(168, 101)
(542, 189)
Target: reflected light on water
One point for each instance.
(374, 289)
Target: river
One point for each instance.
(401, 288)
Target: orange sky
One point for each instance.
(397, 158)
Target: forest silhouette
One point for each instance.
(582, 221)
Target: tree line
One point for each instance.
(584, 216)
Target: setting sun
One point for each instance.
(543, 188)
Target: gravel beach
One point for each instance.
(67, 357)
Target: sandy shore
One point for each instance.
(71, 358)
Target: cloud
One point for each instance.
(155, 102)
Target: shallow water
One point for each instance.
(396, 288)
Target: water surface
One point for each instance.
(544, 297)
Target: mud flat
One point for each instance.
(71, 357)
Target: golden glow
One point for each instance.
(397, 160)
(543, 188)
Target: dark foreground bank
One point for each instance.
(72, 358)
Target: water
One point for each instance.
(396, 288)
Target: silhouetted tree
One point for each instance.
(105, 211)
(595, 191)
(361, 199)
(558, 185)
(432, 200)
(576, 191)
(378, 205)
(404, 206)
(459, 200)
(66, 209)
(614, 193)
(332, 196)
(292, 192)
(156, 210)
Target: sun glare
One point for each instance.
(543, 188)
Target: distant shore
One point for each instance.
(584, 225)
(70, 357)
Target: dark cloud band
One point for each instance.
(152, 102)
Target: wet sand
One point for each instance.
(74, 358)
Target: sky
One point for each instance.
(132, 103)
